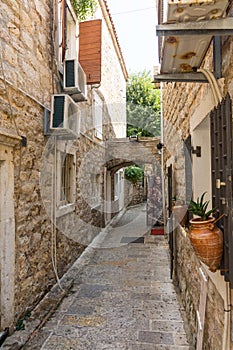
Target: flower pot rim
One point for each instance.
(201, 221)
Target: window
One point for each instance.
(98, 116)
(90, 34)
(116, 186)
(66, 179)
(95, 199)
(67, 34)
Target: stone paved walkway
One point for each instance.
(122, 299)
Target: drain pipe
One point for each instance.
(213, 85)
(162, 153)
(227, 314)
(3, 335)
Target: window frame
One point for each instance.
(63, 205)
(97, 110)
(66, 33)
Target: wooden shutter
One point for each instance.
(90, 33)
(222, 174)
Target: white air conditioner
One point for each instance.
(75, 80)
(65, 116)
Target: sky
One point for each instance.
(135, 22)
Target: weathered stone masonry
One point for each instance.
(180, 101)
(28, 77)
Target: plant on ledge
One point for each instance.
(199, 208)
(84, 8)
(206, 238)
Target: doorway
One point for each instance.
(7, 237)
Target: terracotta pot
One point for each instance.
(207, 241)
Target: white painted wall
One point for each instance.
(200, 133)
(113, 83)
(202, 165)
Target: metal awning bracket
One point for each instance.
(180, 77)
(221, 26)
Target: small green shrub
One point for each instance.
(199, 208)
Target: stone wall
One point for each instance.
(113, 76)
(133, 193)
(27, 79)
(188, 282)
(181, 101)
(34, 274)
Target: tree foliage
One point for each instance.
(133, 173)
(84, 8)
(143, 106)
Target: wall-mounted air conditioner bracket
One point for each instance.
(215, 28)
(180, 77)
(221, 26)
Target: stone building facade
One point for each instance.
(53, 188)
(186, 110)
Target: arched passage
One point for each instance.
(123, 153)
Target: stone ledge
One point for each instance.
(9, 139)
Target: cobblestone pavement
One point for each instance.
(122, 299)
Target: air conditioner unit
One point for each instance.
(172, 11)
(75, 80)
(65, 116)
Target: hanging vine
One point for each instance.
(84, 8)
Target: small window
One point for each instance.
(116, 186)
(67, 32)
(98, 116)
(95, 188)
(66, 181)
(66, 194)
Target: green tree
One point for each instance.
(143, 106)
(84, 8)
(133, 173)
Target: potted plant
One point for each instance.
(205, 236)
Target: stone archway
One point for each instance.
(121, 153)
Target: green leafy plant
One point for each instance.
(143, 106)
(199, 207)
(133, 173)
(20, 325)
(84, 8)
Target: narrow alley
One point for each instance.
(122, 298)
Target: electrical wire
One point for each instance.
(131, 11)
(53, 217)
(24, 93)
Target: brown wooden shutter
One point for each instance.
(90, 49)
